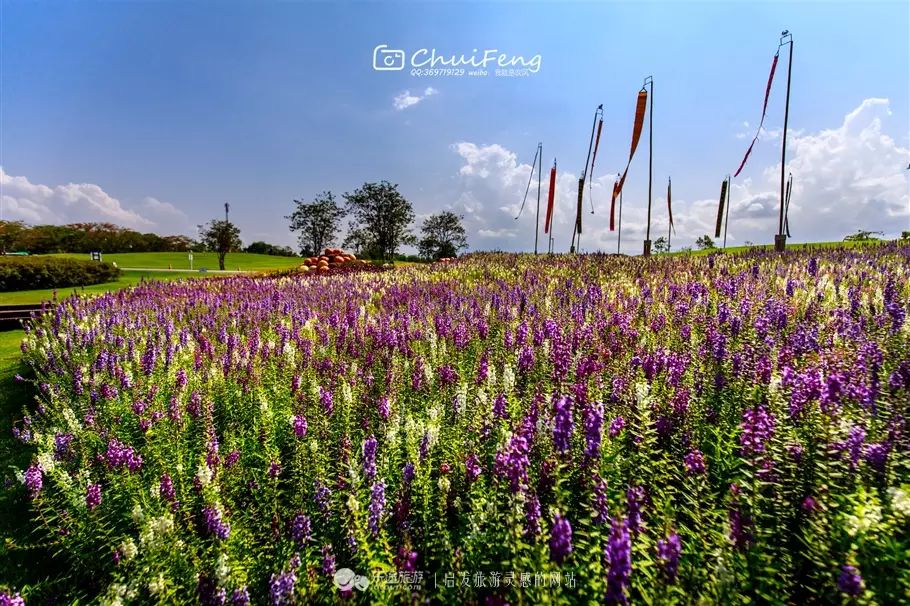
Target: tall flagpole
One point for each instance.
(780, 240)
(539, 170)
(727, 214)
(669, 224)
(650, 80)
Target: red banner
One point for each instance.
(636, 135)
(600, 126)
(763, 112)
(550, 197)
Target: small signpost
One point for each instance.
(96, 255)
(191, 261)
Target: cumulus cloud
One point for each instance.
(845, 178)
(405, 99)
(81, 202)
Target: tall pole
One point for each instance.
(780, 240)
(727, 212)
(650, 80)
(581, 184)
(227, 207)
(619, 231)
(539, 171)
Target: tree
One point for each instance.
(221, 237)
(317, 222)
(385, 216)
(661, 245)
(264, 248)
(10, 234)
(863, 235)
(443, 236)
(704, 243)
(905, 235)
(361, 242)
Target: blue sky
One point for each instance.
(155, 114)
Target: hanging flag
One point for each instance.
(636, 135)
(670, 206)
(763, 112)
(720, 209)
(600, 126)
(581, 193)
(550, 197)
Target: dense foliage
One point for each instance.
(28, 273)
(264, 248)
(442, 236)
(316, 222)
(85, 238)
(719, 429)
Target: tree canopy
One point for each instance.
(221, 237)
(382, 219)
(316, 222)
(443, 236)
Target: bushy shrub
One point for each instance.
(28, 273)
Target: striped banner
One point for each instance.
(764, 111)
(636, 135)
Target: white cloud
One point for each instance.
(405, 99)
(82, 202)
(846, 178)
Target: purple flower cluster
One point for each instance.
(757, 429)
(377, 505)
(120, 455)
(562, 424)
(616, 426)
(668, 551)
(281, 588)
(92, 496)
(300, 426)
(694, 462)
(301, 529)
(34, 480)
(850, 582)
(215, 523)
(593, 420)
(618, 556)
(369, 457)
(560, 539)
(513, 462)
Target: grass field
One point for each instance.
(208, 260)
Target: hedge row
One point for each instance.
(29, 273)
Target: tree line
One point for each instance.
(379, 224)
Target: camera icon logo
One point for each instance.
(387, 59)
(346, 579)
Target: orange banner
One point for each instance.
(763, 112)
(636, 135)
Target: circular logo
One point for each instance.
(344, 578)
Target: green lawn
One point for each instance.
(127, 278)
(208, 260)
(790, 246)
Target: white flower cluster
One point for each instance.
(900, 500)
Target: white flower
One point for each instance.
(46, 461)
(157, 585)
(900, 501)
(204, 474)
(128, 550)
(865, 518)
(222, 570)
(444, 484)
(138, 516)
(508, 378)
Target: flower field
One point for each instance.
(499, 429)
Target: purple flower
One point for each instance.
(328, 560)
(668, 551)
(616, 426)
(325, 398)
(62, 445)
(34, 480)
(562, 424)
(323, 494)
(600, 501)
(618, 555)
(274, 469)
(92, 496)
(384, 409)
(560, 539)
(215, 524)
(757, 428)
(281, 588)
(499, 407)
(377, 504)
(850, 582)
(513, 462)
(532, 515)
(11, 599)
(635, 498)
(240, 597)
(369, 457)
(472, 468)
(299, 426)
(166, 488)
(593, 420)
(301, 530)
(120, 455)
(695, 462)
